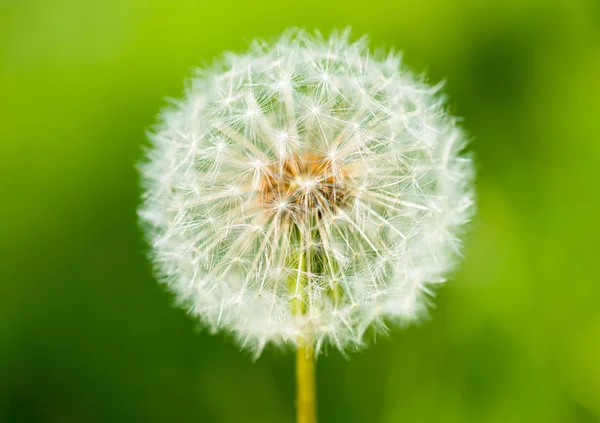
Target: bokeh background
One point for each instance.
(87, 335)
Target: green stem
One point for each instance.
(306, 404)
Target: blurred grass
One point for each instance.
(86, 335)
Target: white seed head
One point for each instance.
(306, 191)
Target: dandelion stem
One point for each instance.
(306, 405)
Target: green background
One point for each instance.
(87, 335)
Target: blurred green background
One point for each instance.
(87, 335)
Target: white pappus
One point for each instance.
(306, 191)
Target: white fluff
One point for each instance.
(306, 190)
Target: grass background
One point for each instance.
(87, 335)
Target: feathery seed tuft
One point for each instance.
(305, 191)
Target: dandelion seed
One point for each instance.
(306, 191)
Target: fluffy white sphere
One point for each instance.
(305, 191)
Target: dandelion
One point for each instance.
(306, 193)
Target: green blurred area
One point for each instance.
(87, 335)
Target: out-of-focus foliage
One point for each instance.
(87, 335)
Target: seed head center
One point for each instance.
(303, 186)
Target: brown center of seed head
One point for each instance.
(304, 186)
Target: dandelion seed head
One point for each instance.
(306, 191)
